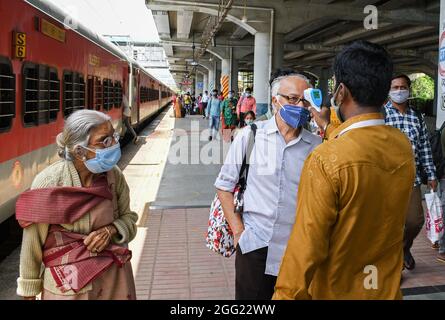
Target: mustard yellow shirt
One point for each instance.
(352, 201)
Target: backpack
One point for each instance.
(438, 155)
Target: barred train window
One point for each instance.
(118, 94)
(153, 95)
(145, 95)
(108, 94)
(90, 90)
(7, 95)
(41, 94)
(73, 92)
(98, 98)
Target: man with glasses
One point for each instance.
(280, 149)
(354, 192)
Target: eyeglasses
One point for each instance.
(109, 141)
(296, 100)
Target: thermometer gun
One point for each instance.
(315, 97)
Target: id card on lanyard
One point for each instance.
(362, 124)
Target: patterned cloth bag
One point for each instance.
(219, 235)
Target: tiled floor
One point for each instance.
(428, 271)
(175, 263)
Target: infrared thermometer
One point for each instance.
(315, 97)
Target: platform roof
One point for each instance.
(313, 31)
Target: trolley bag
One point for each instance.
(434, 217)
(219, 234)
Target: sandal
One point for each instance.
(409, 261)
(441, 257)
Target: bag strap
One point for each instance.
(245, 165)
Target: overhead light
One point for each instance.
(194, 63)
(210, 59)
(244, 19)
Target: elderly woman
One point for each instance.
(77, 219)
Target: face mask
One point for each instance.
(105, 159)
(337, 107)
(249, 122)
(294, 116)
(230, 96)
(248, 94)
(399, 96)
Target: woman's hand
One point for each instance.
(98, 240)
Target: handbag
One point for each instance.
(220, 237)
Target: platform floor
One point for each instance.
(170, 259)
(192, 168)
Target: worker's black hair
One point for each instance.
(366, 70)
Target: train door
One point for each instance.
(135, 95)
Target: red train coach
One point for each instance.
(47, 71)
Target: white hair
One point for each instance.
(275, 86)
(77, 131)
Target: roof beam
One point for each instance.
(162, 23)
(402, 34)
(184, 23)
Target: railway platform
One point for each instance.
(170, 259)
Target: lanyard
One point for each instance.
(363, 124)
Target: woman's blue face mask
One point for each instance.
(105, 159)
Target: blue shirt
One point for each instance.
(272, 186)
(214, 107)
(417, 133)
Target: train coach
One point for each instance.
(48, 69)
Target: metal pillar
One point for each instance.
(278, 50)
(198, 80)
(323, 82)
(234, 82)
(225, 77)
(261, 72)
(212, 74)
(205, 82)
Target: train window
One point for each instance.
(142, 95)
(41, 94)
(108, 94)
(54, 94)
(118, 94)
(79, 91)
(98, 97)
(90, 90)
(73, 92)
(7, 95)
(153, 94)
